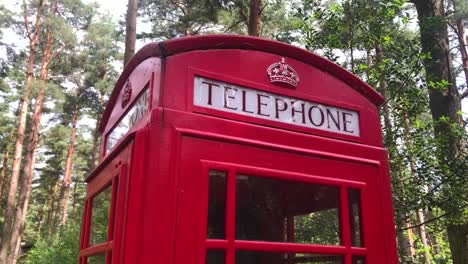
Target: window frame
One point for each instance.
(230, 245)
(117, 180)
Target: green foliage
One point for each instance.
(374, 39)
(318, 228)
(63, 249)
(171, 19)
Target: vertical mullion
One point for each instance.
(89, 212)
(110, 224)
(230, 216)
(83, 225)
(344, 219)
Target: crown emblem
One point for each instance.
(280, 72)
(127, 94)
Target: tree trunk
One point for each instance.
(30, 159)
(95, 149)
(410, 235)
(255, 18)
(458, 235)
(50, 209)
(422, 234)
(67, 179)
(130, 31)
(95, 155)
(463, 45)
(17, 156)
(444, 102)
(75, 195)
(408, 140)
(6, 158)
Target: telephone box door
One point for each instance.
(104, 213)
(250, 202)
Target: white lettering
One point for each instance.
(244, 101)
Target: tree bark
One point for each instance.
(458, 235)
(50, 208)
(30, 159)
(94, 157)
(463, 46)
(255, 18)
(67, 179)
(18, 151)
(130, 31)
(445, 102)
(422, 234)
(6, 158)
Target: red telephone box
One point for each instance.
(239, 150)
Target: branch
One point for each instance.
(464, 94)
(232, 26)
(425, 222)
(26, 21)
(195, 32)
(38, 21)
(430, 220)
(262, 8)
(242, 13)
(57, 53)
(178, 6)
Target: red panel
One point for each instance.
(293, 166)
(238, 68)
(183, 45)
(113, 172)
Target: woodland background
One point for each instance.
(58, 72)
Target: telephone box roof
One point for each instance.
(209, 42)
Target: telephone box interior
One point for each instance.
(231, 149)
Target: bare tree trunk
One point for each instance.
(75, 194)
(30, 159)
(458, 235)
(51, 209)
(40, 223)
(422, 234)
(130, 31)
(445, 104)
(67, 179)
(255, 18)
(95, 149)
(420, 213)
(95, 155)
(412, 249)
(6, 158)
(463, 45)
(23, 111)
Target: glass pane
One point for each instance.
(217, 205)
(257, 257)
(354, 204)
(215, 257)
(359, 260)
(286, 211)
(136, 111)
(97, 259)
(100, 216)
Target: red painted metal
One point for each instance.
(160, 167)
